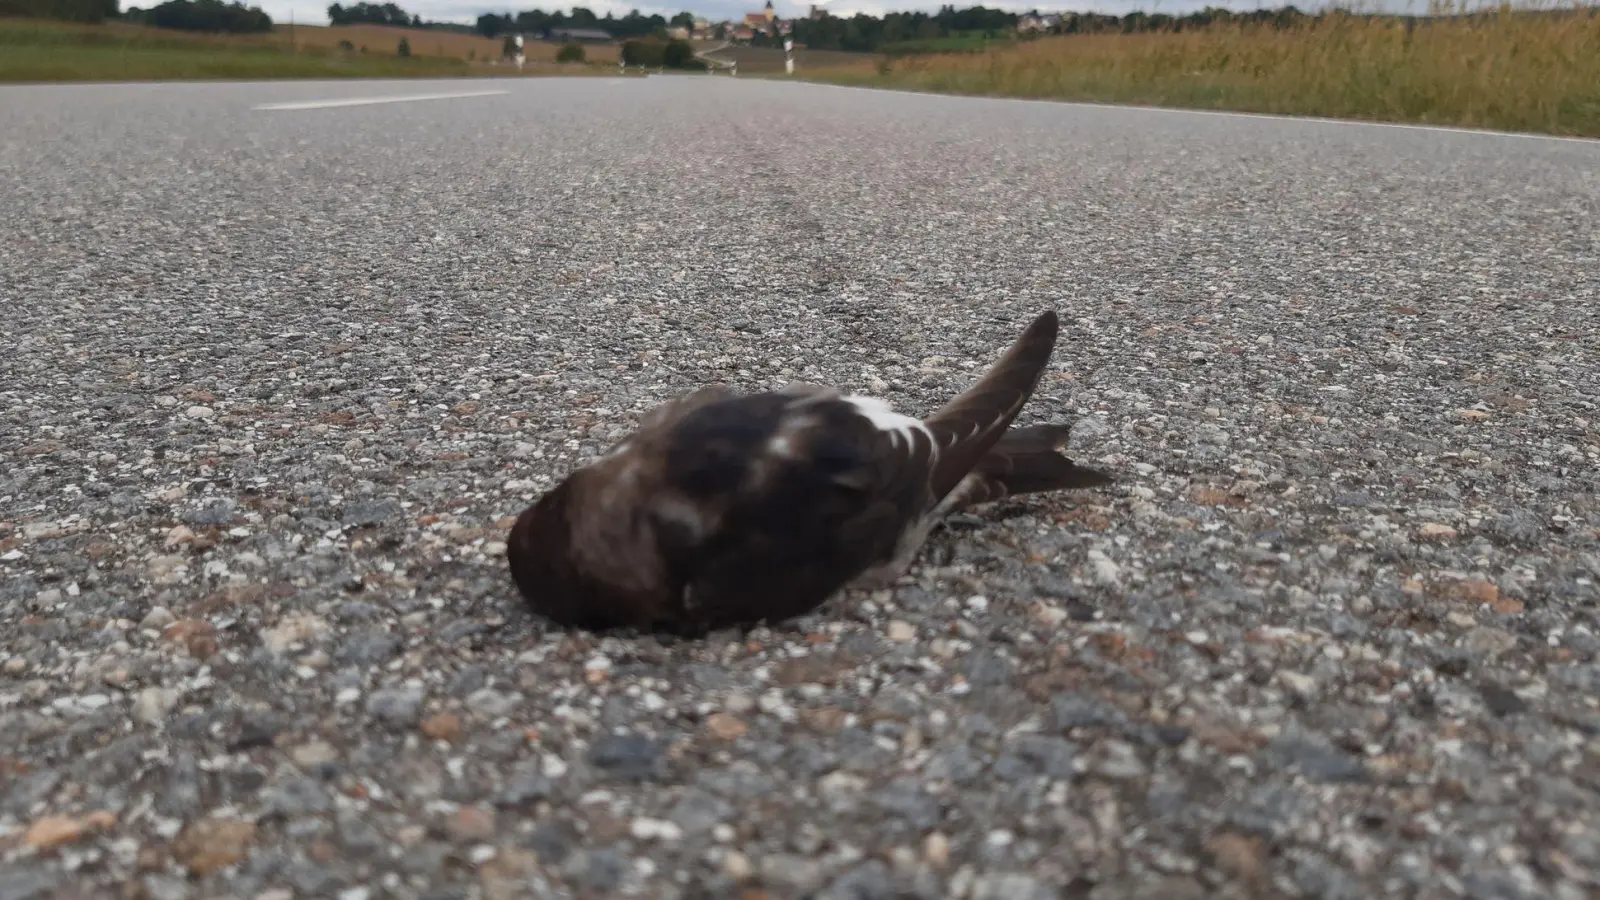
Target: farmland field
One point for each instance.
(756, 60)
(1510, 70)
(426, 42)
(39, 51)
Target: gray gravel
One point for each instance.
(275, 382)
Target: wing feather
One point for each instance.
(973, 421)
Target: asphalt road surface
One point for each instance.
(275, 380)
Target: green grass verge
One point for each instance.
(43, 51)
(34, 64)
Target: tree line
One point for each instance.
(202, 15)
(372, 14)
(63, 10)
(183, 15)
(539, 22)
(862, 33)
(387, 14)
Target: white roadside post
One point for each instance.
(519, 56)
(788, 55)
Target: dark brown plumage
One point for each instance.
(722, 509)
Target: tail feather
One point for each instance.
(970, 425)
(1025, 461)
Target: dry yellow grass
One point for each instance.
(1508, 70)
(426, 42)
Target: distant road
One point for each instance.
(715, 62)
(282, 360)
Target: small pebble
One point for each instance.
(726, 726)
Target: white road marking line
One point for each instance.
(1319, 120)
(363, 101)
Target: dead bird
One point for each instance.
(724, 509)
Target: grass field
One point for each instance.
(1507, 70)
(761, 60)
(956, 43)
(35, 50)
(385, 38)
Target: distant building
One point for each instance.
(678, 33)
(579, 36)
(762, 21)
(1038, 23)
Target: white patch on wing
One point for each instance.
(683, 513)
(896, 425)
(781, 447)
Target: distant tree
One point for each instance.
(208, 15)
(684, 20)
(534, 21)
(632, 25)
(90, 11)
(647, 53)
(570, 53)
(508, 47)
(404, 49)
(372, 14)
(680, 55)
(491, 25)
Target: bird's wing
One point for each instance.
(967, 427)
(829, 487)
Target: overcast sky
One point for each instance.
(314, 12)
